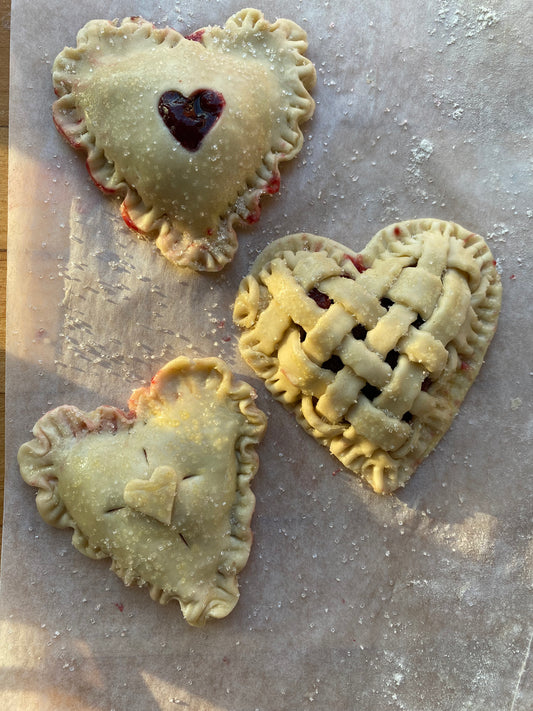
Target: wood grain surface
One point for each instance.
(5, 17)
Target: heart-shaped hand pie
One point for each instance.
(163, 490)
(374, 352)
(189, 131)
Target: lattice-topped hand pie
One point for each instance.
(189, 131)
(374, 352)
(164, 489)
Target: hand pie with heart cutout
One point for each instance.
(373, 351)
(164, 489)
(188, 131)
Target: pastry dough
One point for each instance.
(188, 131)
(374, 352)
(164, 490)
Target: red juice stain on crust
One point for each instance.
(69, 139)
(270, 188)
(254, 215)
(127, 219)
(107, 191)
(357, 261)
(273, 185)
(196, 36)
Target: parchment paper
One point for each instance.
(419, 601)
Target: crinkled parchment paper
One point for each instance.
(419, 601)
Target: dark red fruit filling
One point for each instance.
(320, 298)
(370, 391)
(392, 358)
(359, 332)
(334, 364)
(426, 384)
(190, 118)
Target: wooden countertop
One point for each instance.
(5, 20)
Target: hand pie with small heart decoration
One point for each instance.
(188, 131)
(373, 352)
(164, 490)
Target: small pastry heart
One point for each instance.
(164, 490)
(189, 131)
(190, 118)
(373, 351)
(154, 496)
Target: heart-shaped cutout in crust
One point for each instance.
(164, 490)
(373, 352)
(187, 173)
(190, 118)
(155, 496)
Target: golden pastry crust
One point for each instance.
(164, 490)
(373, 352)
(189, 131)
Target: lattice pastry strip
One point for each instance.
(356, 298)
(385, 431)
(373, 352)
(340, 395)
(450, 312)
(364, 362)
(422, 347)
(398, 396)
(390, 328)
(417, 289)
(328, 333)
(300, 370)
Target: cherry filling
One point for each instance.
(359, 332)
(392, 358)
(370, 391)
(320, 298)
(190, 118)
(426, 384)
(334, 364)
